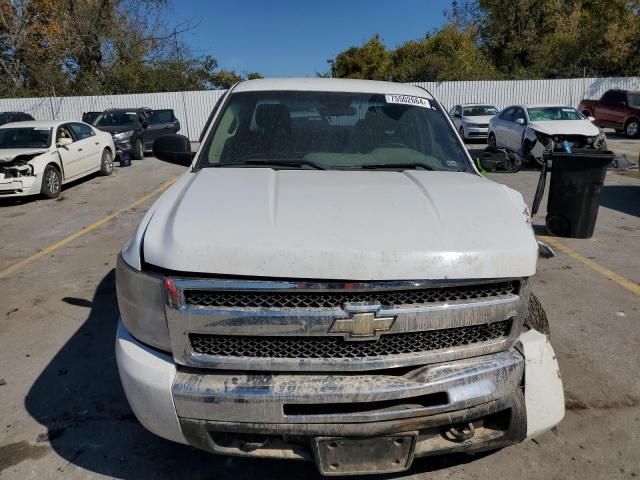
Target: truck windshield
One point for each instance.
(25, 137)
(539, 114)
(479, 111)
(634, 100)
(327, 130)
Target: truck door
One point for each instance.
(610, 111)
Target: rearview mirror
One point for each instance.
(173, 148)
(457, 115)
(520, 121)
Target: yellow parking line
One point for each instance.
(55, 246)
(633, 287)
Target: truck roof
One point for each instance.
(331, 85)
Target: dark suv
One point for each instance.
(9, 117)
(161, 122)
(128, 126)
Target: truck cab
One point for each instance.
(332, 280)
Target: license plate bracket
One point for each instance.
(358, 456)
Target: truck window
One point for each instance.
(334, 130)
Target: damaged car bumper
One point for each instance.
(466, 405)
(19, 186)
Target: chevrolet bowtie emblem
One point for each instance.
(362, 326)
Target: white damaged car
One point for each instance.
(38, 157)
(532, 130)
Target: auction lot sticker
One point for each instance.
(408, 100)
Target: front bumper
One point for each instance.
(124, 146)
(20, 186)
(507, 396)
(476, 132)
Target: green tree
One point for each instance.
(370, 61)
(449, 54)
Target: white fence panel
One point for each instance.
(502, 93)
(193, 108)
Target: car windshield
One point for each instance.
(634, 100)
(31, 137)
(327, 130)
(480, 111)
(554, 113)
(115, 119)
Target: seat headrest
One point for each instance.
(269, 115)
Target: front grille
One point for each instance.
(337, 347)
(328, 299)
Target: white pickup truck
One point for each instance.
(332, 280)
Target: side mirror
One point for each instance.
(174, 149)
(592, 119)
(457, 115)
(520, 121)
(64, 141)
(492, 157)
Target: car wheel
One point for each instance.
(462, 134)
(138, 151)
(106, 163)
(51, 182)
(632, 128)
(492, 139)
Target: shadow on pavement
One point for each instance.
(79, 399)
(623, 198)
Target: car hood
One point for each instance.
(566, 127)
(9, 154)
(342, 225)
(117, 129)
(484, 119)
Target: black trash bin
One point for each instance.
(574, 191)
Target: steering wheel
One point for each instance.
(393, 145)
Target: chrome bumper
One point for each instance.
(425, 399)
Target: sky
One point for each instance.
(296, 38)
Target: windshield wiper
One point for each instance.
(276, 163)
(406, 166)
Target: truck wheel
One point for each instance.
(536, 316)
(632, 128)
(51, 182)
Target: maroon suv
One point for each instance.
(618, 109)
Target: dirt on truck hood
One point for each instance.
(356, 225)
(9, 154)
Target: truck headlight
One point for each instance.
(123, 135)
(141, 300)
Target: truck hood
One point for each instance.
(341, 225)
(566, 127)
(9, 154)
